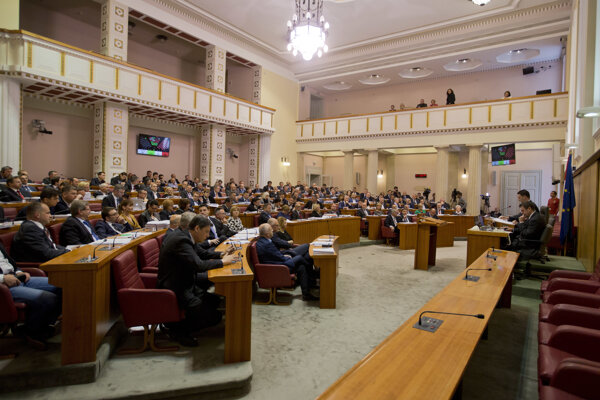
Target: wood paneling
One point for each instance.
(328, 265)
(586, 215)
(305, 231)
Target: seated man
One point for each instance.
(178, 265)
(265, 215)
(115, 198)
(49, 196)
(219, 221)
(33, 242)
(12, 190)
(214, 236)
(77, 229)
(433, 213)
(111, 223)
(97, 181)
(42, 299)
(362, 209)
(297, 212)
(458, 210)
(284, 242)
(25, 188)
(68, 195)
(391, 221)
(269, 254)
(51, 175)
(530, 227)
(174, 223)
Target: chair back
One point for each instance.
(252, 254)
(125, 271)
(546, 235)
(148, 253)
(55, 232)
(94, 221)
(160, 239)
(256, 217)
(8, 310)
(95, 206)
(7, 239)
(544, 212)
(10, 213)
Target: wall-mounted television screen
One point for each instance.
(503, 155)
(153, 145)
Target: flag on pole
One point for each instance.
(568, 204)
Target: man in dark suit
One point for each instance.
(25, 188)
(48, 179)
(268, 253)
(153, 192)
(12, 190)
(115, 198)
(214, 236)
(111, 223)
(119, 179)
(77, 229)
(178, 266)
(48, 196)
(297, 212)
(265, 215)
(522, 196)
(68, 195)
(391, 221)
(33, 242)
(98, 180)
(132, 184)
(42, 299)
(362, 210)
(219, 222)
(530, 228)
(433, 213)
(268, 187)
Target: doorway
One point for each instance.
(514, 181)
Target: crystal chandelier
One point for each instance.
(307, 30)
(480, 2)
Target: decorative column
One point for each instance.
(215, 68)
(474, 185)
(10, 123)
(256, 83)
(253, 158)
(300, 172)
(348, 170)
(390, 172)
(442, 171)
(264, 161)
(111, 127)
(114, 26)
(372, 164)
(212, 157)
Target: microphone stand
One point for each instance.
(474, 278)
(432, 324)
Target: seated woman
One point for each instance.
(285, 212)
(378, 209)
(151, 213)
(253, 207)
(234, 223)
(126, 211)
(316, 211)
(167, 211)
(184, 205)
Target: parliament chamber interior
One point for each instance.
(299, 199)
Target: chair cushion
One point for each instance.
(7, 239)
(160, 239)
(125, 271)
(548, 360)
(544, 311)
(148, 253)
(545, 331)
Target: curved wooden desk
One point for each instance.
(305, 231)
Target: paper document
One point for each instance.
(323, 250)
(502, 221)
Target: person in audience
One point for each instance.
(83, 190)
(433, 213)
(68, 195)
(143, 195)
(126, 213)
(450, 97)
(48, 196)
(169, 192)
(458, 210)
(114, 199)
(214, 237)
(25, 188)
(153, 192)
(433, 103)
(102, 192)
(285, 212)
(553, 203)
(132, 184)
(183, 206)
(269, 254)
(168, 210)
(333, 211)
(404, 217)
(507, 95)
(51, 175)
(174, 223)
(150, 214)
(111, 223)
(234, 223)
(522, 196)
(197, 199)
(77, 230)
(422, 104)
(284, 242)
(391, 221)
(178, 265)
(527, 232)
(33, 243)
(392, 108)
(120, 179)
(297, 212)
(265, 215)
(43, 301)
(5, 173)
(12, 190)
(99, 179)
(461, 202)
(253, 207)
(220, 222)
(378, 209)
(227, 205)
(316, 211)
(362, 209)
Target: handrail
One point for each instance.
(433, 108)
(130, 65)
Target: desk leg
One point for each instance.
(328, 269)
(238, 319)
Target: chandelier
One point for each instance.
(307, 30)
(480, 2)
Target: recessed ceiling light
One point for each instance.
(415, 72)
(517, 55)
(161, 38)
(464, 64)
(339, 85)
(374, 79)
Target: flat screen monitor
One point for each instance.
(503, 155)
(153, 145)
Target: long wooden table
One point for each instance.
(328, 265)
(237, 289)
(415, 364)
(86, 297)
(478, 241)
(305, 231)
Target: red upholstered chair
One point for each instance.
(568, 314)
(387, 233)
(573, 379)
(10, 213)
(255, 219)
(576, 275)
(140, 303)
(55, 232)
(160, 239)
(269, 276)
(30, 267)
(94, 221)
(148, 253)
(567, 342)
(591, 300)
(363, 226)
(96, 207)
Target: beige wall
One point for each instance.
(468, 87)
(239, 80)
(407, 165)
(9, 14)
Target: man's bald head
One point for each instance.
(274, 224)
(265, 230)
(174, 221)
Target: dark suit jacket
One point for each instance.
(109, 201)
(26, 191)
(74, 232)
(96, 182)
(10, 195)
(280, 240)
(104, 230)
(61, 207)
(389, 221)
(164, 215)
(264, 217)
(222, 229)
(145, 217)
(115, 180)
(316, 214)
(268, 253)
(151, 195)
(532, 228)
(296, 215)
(31, 244)
(178, 265)
(362, 213)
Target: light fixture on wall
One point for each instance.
(464, 175)
(380, 173)
(40, 126)
(285, 161)
(589, 112)
(308, 29)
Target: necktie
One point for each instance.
(89, 226)
(19, 193)
(49, 237)
(213, 230)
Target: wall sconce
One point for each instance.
(285, 161)
(380, 173)
(588, 112)
(464, 175)
(40, 126)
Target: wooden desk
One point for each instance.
(445, 235)
(479, 241)
(86, 295)
(415, 364)
(426, 245)
(462, 223)
(348, 211)
(237, 290)
(407, 236)
(305, 231)
(374, 222)
(328, 264)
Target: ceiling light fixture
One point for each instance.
(308, 29)
(464, 64)
(339, 85)
(517, 55)
(161, 38)
(480, 2)
(374, 79)
(415, 72)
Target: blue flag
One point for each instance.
(568, 204)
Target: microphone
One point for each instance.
(432, 324)
(473, 278)
(504, 209)
(94, 258)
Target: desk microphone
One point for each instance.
(504, 209)
(473, 278)
(432, 324)
(113, 243)
(94, 258)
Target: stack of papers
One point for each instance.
(502, 221)
(323, 250)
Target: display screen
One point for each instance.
(503, 155)
(153, 145)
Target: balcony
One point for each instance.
(54, 69)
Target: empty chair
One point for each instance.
(270, 276)
(568, 314)
(10, 213)
(551, 299)
(148, 253)
(573, 379)
(578, 275)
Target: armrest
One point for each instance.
(569, 274)
(31, 268)
(148, 306)
(575, 298)
(581, 342)
(568, 314)
(150, 280)
(573, 284)
(577, 377)
(272, 275)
